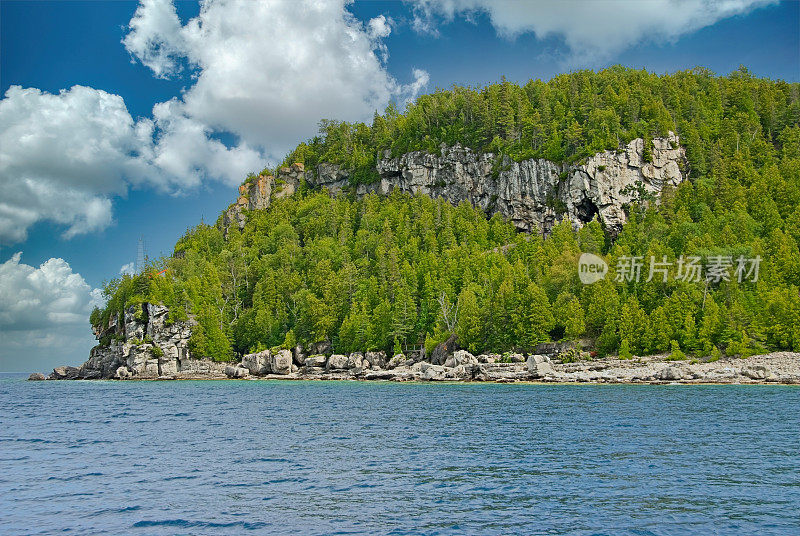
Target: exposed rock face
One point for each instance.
(534, 194)
(257, 194)
(144, 345)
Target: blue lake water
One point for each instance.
(227, 457)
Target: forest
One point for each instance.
(403, 273)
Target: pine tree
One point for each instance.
(535, 317)
(625, 350)
(470, 321)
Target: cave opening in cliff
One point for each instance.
(586, 210)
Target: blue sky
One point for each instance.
(153, 173)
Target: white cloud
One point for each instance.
(380, 27)
(268, 71)
(62, 157)
(155, 37)
(185, 150)
(592, 30)
(421, 80)
(265, 72)
(44, 313)
(129, 269)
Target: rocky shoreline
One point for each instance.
(143, 344)
(461, 366)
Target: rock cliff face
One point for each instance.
(534, 194)
(143, 345)
(257, 193)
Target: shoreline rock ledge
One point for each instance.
(144, 345)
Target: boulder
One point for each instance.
(355, 360)
(396, 361)
(433, 373)
(442, 350)
(65, 373)
(281, 362)
(236, 371)
(258, 363)
(517, 358)
(316, 360)
(299, 355)
(462, 357)
(375, 359)
(122, 373)
(758, 372)
(462, 372)
(337, 362)
(671, 374)
(539, 366)
(36, 376)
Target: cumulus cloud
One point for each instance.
(269, 71)
(128, 269)
(263, 74)
(43, 313)
(186, 152)
(155, 37)
(62, 157)
(592, 30)
(380, 27)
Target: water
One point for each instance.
(227, 457)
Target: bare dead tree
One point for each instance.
(448, 311)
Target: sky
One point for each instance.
(125, 120)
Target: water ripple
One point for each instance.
(370, 458)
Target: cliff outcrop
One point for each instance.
(534, 194)
(142, 344)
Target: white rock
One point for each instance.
(281, 362)
(337, 362)
(539, 366)
(258, 363)
(316, 360)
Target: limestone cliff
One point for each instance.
(142, 344)
(534, 194)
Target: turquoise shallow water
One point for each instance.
(269, 457)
